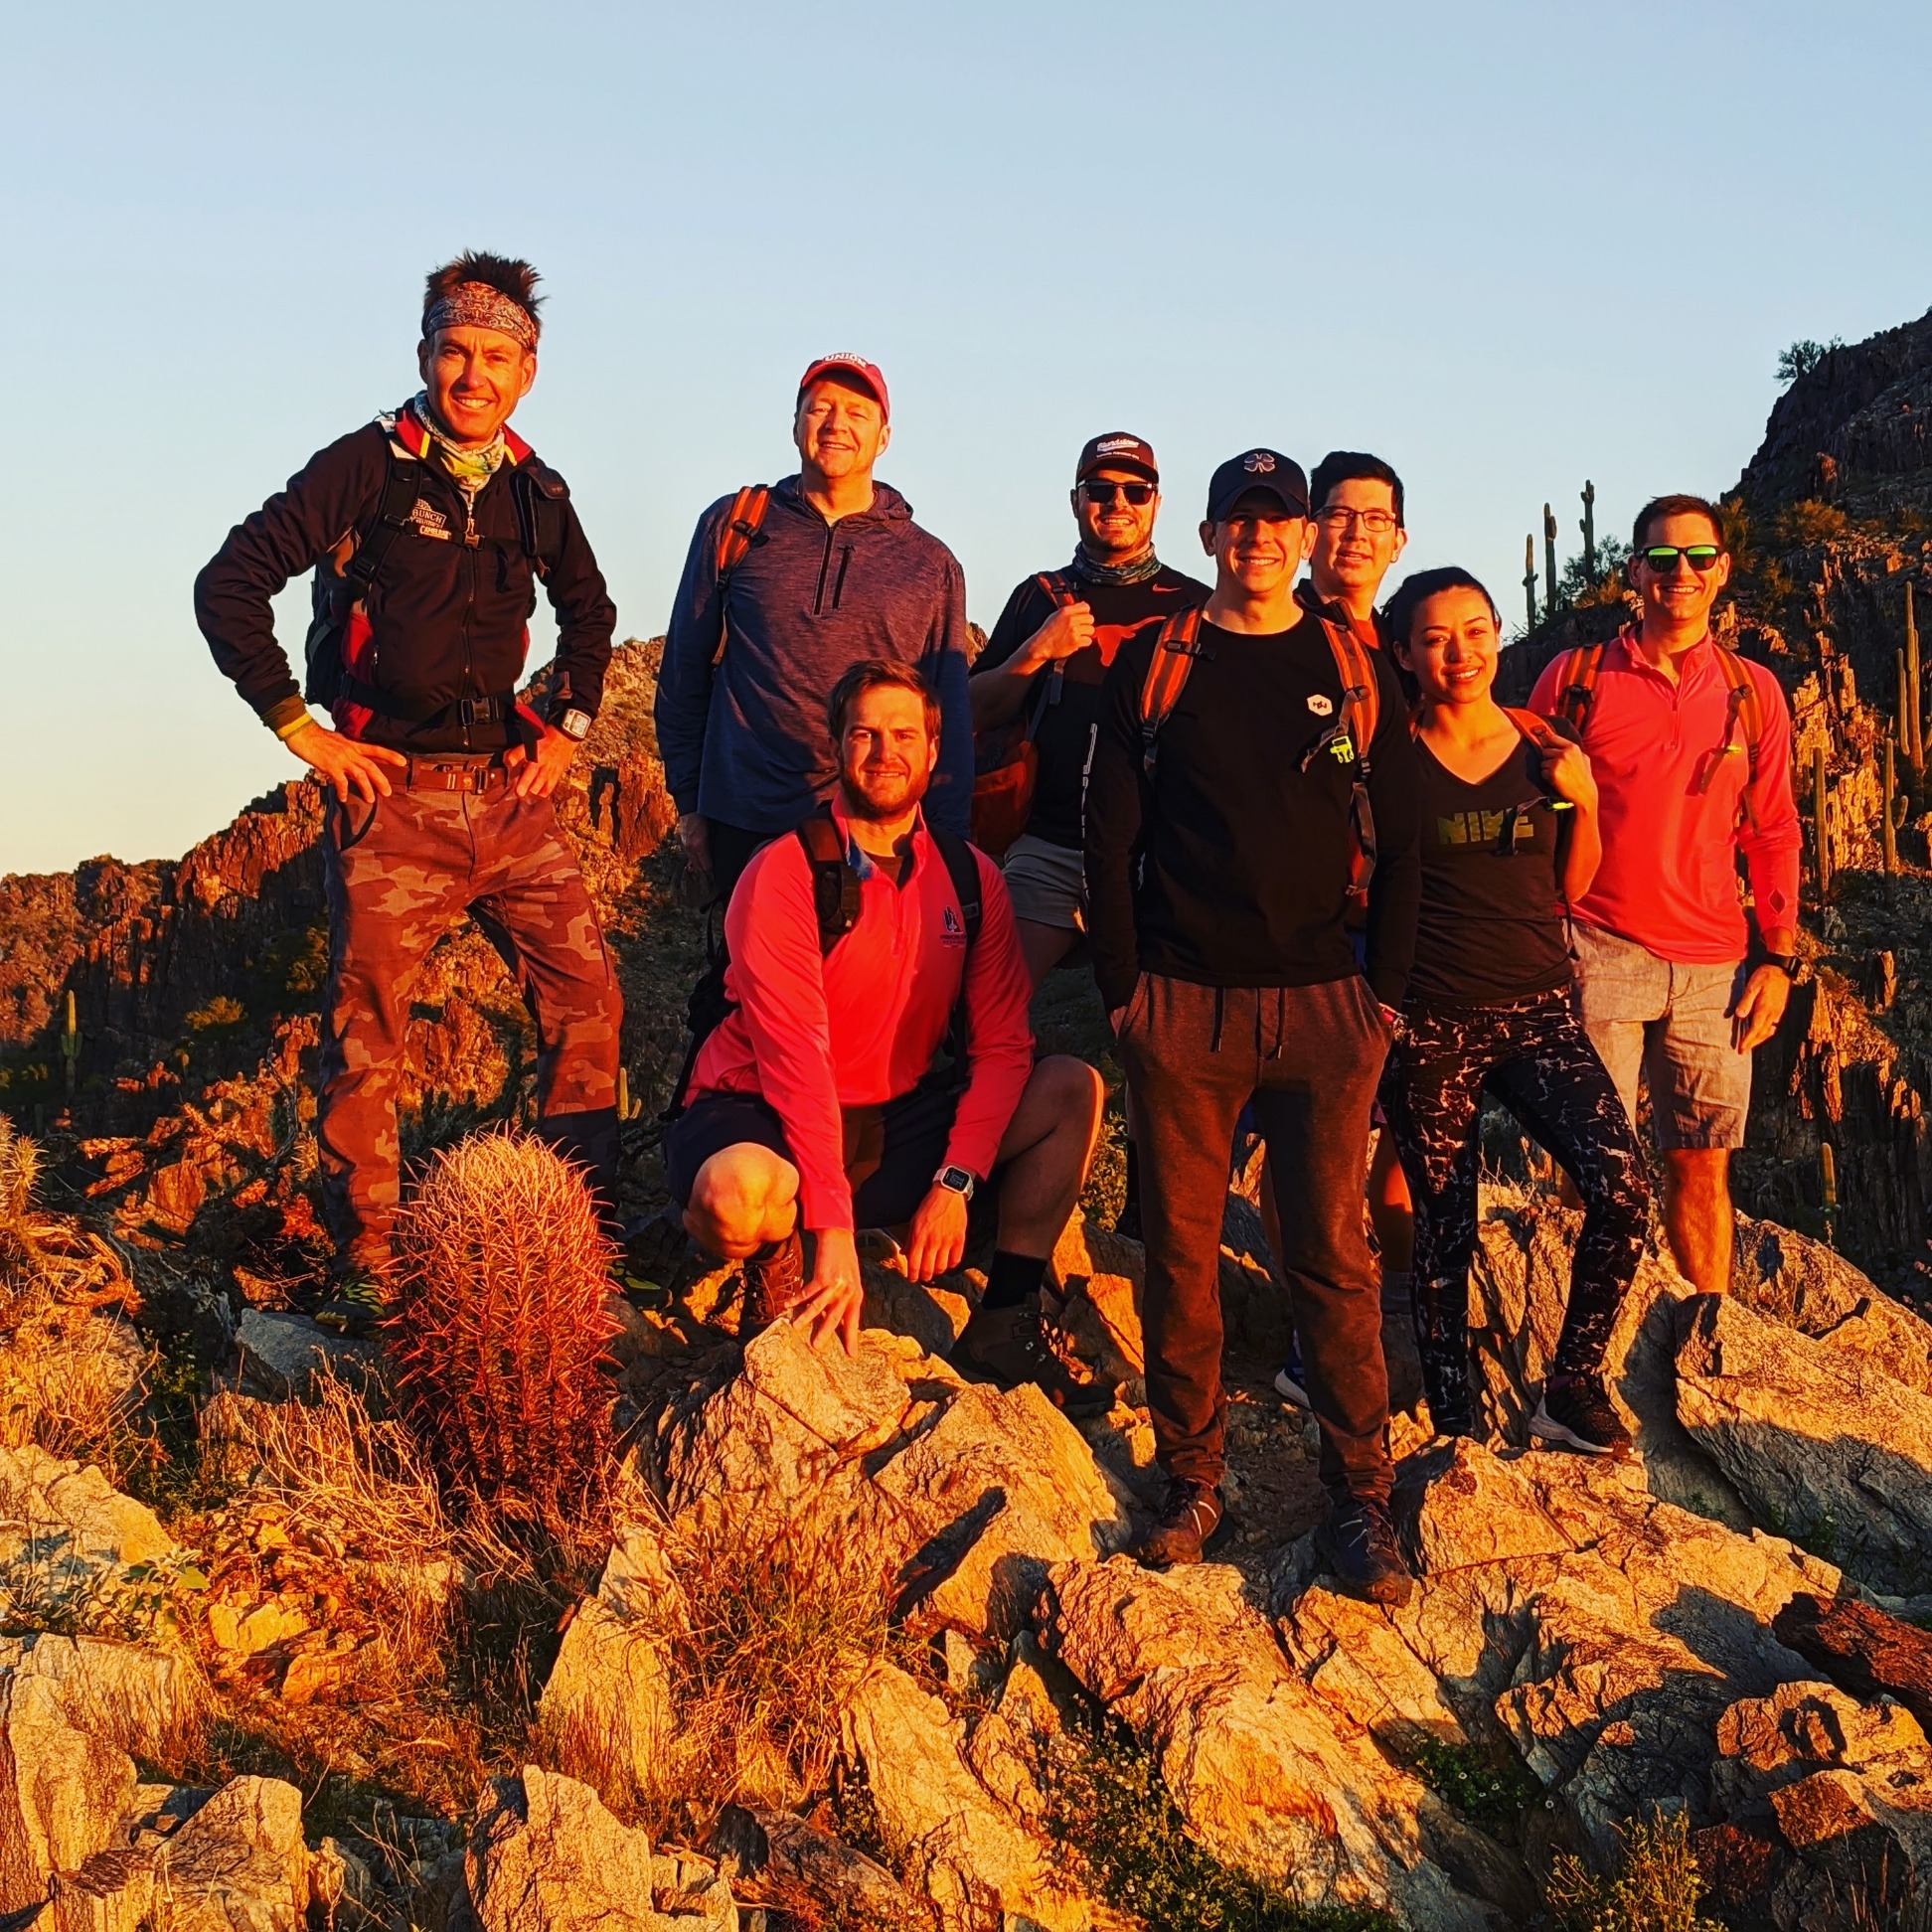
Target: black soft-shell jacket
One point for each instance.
(446, 618)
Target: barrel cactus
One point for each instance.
(502, 1324)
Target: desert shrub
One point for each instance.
(1109, 1805)
(1809, 522)
(1803, 356)
(1655, 1887)
(500, 1335)
(72, 1378)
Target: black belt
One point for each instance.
(459, 711)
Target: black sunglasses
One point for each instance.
(1663, 557)
(1104, 493)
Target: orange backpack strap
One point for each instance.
(1745, 711)
(1055, 583)
(1361, 695)
(1174, 651)
(1576, 688)
(1536, 728)
(736, 537)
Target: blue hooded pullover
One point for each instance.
(743, 738)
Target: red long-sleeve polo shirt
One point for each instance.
(863, 1024)
(1673, 804)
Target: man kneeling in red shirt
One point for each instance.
(824, 1101)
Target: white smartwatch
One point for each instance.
(955, 1179)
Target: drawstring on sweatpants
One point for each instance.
(1214, 1045)
(1281, 1021)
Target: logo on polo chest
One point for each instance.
(1321, 703)
(950, 928)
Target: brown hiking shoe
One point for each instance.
(1176, 1536)
(1008, 1347)
(774, 1278)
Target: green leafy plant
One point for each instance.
(1488, 1790)
(1804, 356)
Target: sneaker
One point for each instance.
(1577, 1412)
(774, 1278)
(1291, 1384)
(1007, 1345)
(1176, 1536)
(1358, 1540)
(359, 1306)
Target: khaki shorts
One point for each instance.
(1670, 1023)
(1046, 884)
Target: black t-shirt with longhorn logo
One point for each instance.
(1065, 735)
(1491, 927)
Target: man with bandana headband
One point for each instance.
(428, 531)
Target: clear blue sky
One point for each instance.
(1507, 246)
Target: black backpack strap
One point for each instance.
(543, 498)
(402, 485)
(962, 867)
(835, 886)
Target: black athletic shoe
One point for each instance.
(359, 1306)
(1577, 1413)
(1358, 1540)
(1192, 1516)
(1008, 1347)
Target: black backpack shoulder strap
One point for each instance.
(835, 886)
(402, 485)
(962, 867)
(542, 497)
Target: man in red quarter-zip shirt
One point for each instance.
(822, 1102)
(1690, 747)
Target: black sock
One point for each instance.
(1015, 1278)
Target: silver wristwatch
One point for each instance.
(574, 725)
(955, 1179)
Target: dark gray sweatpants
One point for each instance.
(1308, 1057)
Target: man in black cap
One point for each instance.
(1249, 758)
(1046, 660)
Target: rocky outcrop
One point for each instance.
(1820, 1441)
(545, 1856)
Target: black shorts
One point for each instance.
(891, 1152)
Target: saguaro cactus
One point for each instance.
(501, 1329)
(1889, 818)
(70, 1044)
(1821, 833)
(1588, 527)
(1549, 561)
(1529, 578)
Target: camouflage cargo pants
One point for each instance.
(399, 876)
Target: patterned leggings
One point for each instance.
(1534, 1057)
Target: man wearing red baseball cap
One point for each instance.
(784, 589)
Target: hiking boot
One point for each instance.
(359, 1306)
(1191, 1514)
(1399, 1352)
(1008, 1347)
(1291, 1381)
(1358, 1540)
(774, 1278)
(1577, 1412)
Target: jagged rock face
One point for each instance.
(1867, 406)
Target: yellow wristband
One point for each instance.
(294, 724)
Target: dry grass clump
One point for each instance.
(501, 1335)
(71, 1380)
(1655, 1888)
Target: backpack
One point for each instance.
(836, 902)
(736, 536)
(1006, 762)
(540, 496)
(1347, 739)
(1577, 692)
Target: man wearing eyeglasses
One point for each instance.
(1690, 747)
(1359, 535)
(1072, 623)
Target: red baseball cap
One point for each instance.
(851, 369)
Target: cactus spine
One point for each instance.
(501, 1329)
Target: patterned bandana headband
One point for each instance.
(476, 305)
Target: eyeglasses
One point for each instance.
(1103, 494)
(1663, 557)
(1377, 522)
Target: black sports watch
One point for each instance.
(1796, 970)
(956, 1180)
(574, 725)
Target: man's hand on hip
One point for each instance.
(936, 1244)
(836, 1292)
(345, 764)
(1760, 1006)
(543, 774)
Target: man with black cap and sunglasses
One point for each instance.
(1249, 758)
(1690, 746)
(1047, 658)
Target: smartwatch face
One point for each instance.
(955, 1177)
